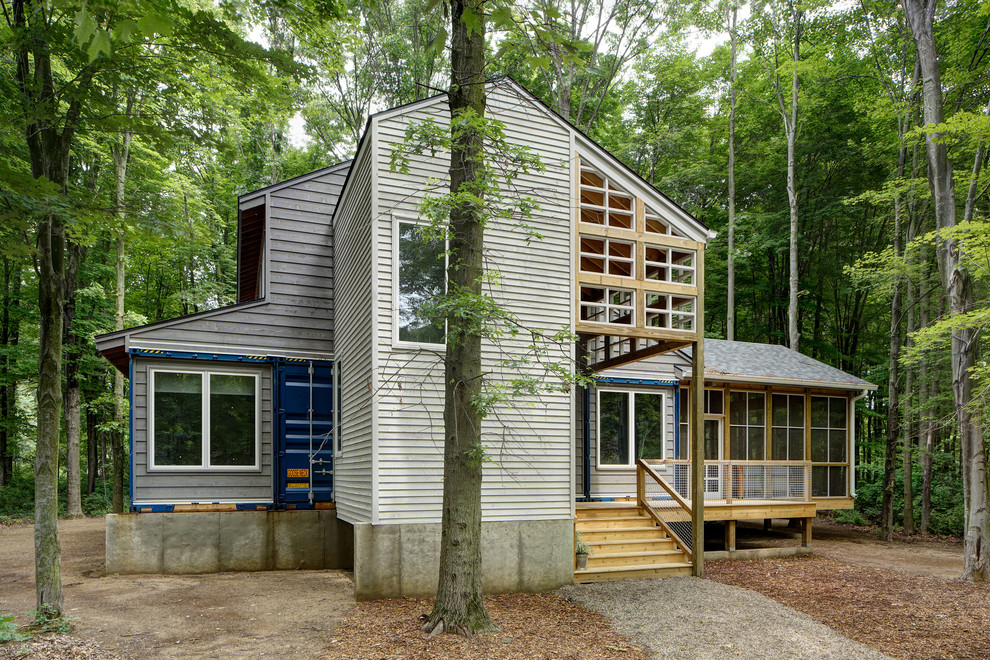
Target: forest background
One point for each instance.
(803, 121)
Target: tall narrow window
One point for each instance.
(747, 423)
(787, 436)
(630, 426)
(421, 279)
(829, 442)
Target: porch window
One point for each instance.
(201, 420)
(829, 443)
(747, 426)
(421, 277)
(714, 405)
(630, 426)
(787, 436)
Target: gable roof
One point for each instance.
(640, 186)
(255, 194)
(742, 361)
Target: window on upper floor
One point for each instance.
(421, 276)
(204, 420)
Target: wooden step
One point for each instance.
(622, 521)
(609, 512)
(592, 536)
(633, 545)
(603, 559)
(629, 573)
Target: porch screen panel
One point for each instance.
(747, 424)
(178, 419)
(787, 435)
(829, 446)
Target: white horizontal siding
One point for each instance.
(530, 445)
(353, 470)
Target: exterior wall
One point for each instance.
(203, 486)
(295, 319)
(353, 470)
(530, 476)
(178, 543)
(403, 560)
(618, 482)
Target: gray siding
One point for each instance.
(530, 476)
(198, 486)
(295, 319)
(353, 472)
(617, 482)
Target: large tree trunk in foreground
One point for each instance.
(121, 153)
(958, 285)
(460, 606)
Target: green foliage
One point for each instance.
(8, 630)
(46, 619)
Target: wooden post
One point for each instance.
(806, 533)
(640, 484)
(766, 524)
(730, 535)
(698, 425)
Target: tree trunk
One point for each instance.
(72, 396)
(793, 335)
(957, 282)
(460, 606)
(92, 446)
(10, 318)
(120, 152)
(730, 307)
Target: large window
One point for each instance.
(421, 278)
(204, 420)
(747, 426)
(829, 443)
(787, 436)
(630, 426)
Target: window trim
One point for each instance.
(396, 342)
(204, 465)
(766, 397)
(631, 435)
(848, 464)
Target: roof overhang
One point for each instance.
(685, 374)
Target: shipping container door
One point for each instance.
(300, 435)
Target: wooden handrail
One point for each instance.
(642, 470)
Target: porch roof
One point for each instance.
(742, 361)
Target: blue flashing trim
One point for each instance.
(259, 506)
(153, 508)
(637, 381)
(214, 357)
(587, 442)
(130, 428)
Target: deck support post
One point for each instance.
(806, 533)
(766, 524)
(698, 455)
(730, 535)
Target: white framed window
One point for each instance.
(204, 420)
(607, 256)
(669, 311)
(419, 275)
(601, 304)
(673, 265)
(630, 426)
(603, 202)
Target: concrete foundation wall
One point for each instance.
(200, 542)
(399, 560)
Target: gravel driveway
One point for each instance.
(684, 617)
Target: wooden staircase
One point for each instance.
(626, 543)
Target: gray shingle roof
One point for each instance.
(741, 360)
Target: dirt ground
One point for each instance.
(227, 615)
(902, 598)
